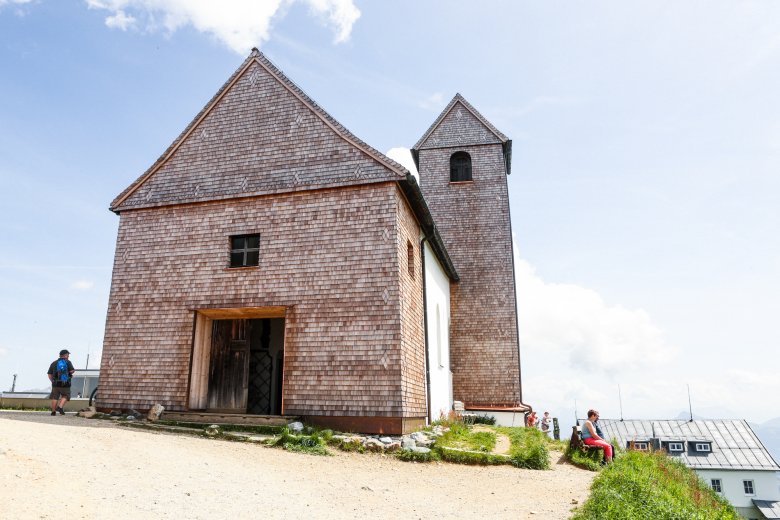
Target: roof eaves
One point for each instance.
(415, 197)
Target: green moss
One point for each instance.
(642, 485)
(261, 429)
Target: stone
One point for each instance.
(419, 436)
(115, 413)
(212, 430)
(295, 427)
(427, 443)
(408, 442)
(393, 446)
(385, 440)
(87, 414)
(130, 418)
(155, 412)
(373, 445)
(420, 449)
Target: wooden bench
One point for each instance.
(576, 441)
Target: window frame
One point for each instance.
(702, 447)
(410, 258)
(465, 170)
(717, 485)
(245, 251)
(641, 445)
(672, 446)
(749, 483)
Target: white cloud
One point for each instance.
(6, 2)
(433, 102)
(582, 328)
(120, 20)
(239, 24)
(403, 156)
(3, 351)
(82, 285)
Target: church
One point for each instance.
(271, 263)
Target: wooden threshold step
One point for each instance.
(228, 418)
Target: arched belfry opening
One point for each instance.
(460, 167)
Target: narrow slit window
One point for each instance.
(245, 250)
(460, 167)
(410, 258)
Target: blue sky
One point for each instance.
(645, 193)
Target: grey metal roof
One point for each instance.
(734, 445)
(768, 509)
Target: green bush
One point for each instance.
(587, 459)
(414, 456)
(485, 419)
(639, 485)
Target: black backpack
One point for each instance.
(61, 374)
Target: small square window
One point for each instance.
(675, 446)
(748, 485)
(716, 485)
(244, 250)
(641, 446)
(703, 446)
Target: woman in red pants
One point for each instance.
(591, 438)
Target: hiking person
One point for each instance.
(60, 374)
(545, 422)
(532, 420)
(592, 438)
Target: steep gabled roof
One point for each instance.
(260, 59)
(449, 132)
(458, 99)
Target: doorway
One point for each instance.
(238, 365)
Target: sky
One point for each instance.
(645, 186)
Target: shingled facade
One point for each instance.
(326, 322)
(472, 215)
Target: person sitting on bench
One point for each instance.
(591, 438)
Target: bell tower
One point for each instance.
(463, 161)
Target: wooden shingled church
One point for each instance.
(272, 263)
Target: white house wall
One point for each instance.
(764, 485)
(437, 310)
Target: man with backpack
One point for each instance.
(60, 374)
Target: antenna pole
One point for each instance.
(690, 408)
(13, 385)
(620, 398)
(576, 415)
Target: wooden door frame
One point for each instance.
(200, 356)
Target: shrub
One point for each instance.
(587, 459)
(453, 418)
(485, 419)
(641, 485)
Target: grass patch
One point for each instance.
(472, 457)
(642, 485)
(461, 436)
(414, 456)
(261, 429)
(313, 444)
(529, 447)
(485, 419)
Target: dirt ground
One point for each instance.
(68, 467)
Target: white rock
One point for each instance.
(155, 412)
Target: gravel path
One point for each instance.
(67, 467)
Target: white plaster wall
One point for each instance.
(764, 484)
(437, 296)
(505, 418)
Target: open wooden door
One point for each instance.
(229, 366)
